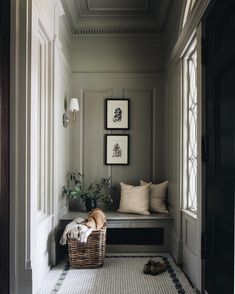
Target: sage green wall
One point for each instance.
(118, 67)
(146, 128)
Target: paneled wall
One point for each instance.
(123, 66)
(146, 127)
(40, 81)
(172, 153)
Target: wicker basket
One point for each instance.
(88, 255)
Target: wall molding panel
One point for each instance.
(152, 93)
(31, 238)
(87, 138)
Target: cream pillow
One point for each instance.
(134, 199)
(157, 197)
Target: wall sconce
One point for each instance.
(73, 108)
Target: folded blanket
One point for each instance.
(76, 230)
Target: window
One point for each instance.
(190, 110)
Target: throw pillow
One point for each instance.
(157, 197)
(134, 199)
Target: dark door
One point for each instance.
(4, 142)
(220, 135)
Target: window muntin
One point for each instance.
(190, 110)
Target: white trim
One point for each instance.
(189, 213)
(186, 33)
(44, 25)
(196, 218)
(59, 9)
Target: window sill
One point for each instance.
(189, 213)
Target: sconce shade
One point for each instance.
(74, 106)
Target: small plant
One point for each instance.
(95, 191)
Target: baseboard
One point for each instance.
(53, 250)
(176, 248)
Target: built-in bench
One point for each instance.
(132, 232)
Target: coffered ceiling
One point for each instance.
(117, 16)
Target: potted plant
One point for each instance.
(88, 194)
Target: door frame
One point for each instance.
(203, 130)
(5, 144)
(203, 168)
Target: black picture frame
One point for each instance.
(120, 142)
(117, 114)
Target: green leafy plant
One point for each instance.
(97, 191)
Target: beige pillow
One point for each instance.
(134, 199)
(157, 197)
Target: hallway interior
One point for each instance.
(136, 92)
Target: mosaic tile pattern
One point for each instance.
(121, 274)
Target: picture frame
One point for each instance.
(117, 114)
(116, 149)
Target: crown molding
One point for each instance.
(82, 19)
(86, 8)
(118, 31)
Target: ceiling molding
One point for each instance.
(118, 31)
(133, 16)
(143, 8)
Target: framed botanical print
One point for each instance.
(117, 114)
(117, 149)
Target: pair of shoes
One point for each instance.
(154, 267)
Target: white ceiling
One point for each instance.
(134, 15)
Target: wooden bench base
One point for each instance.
(132, 232)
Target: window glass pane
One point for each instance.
(192, 133)
(190, 109)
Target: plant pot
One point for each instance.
(90, 204)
